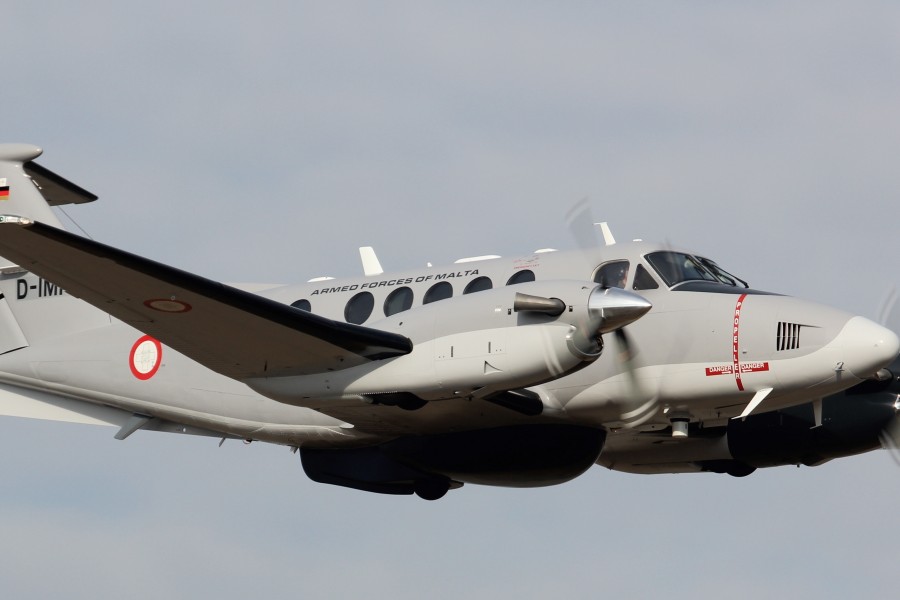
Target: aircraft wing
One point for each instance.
(233, 332)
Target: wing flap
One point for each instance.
(233, 332)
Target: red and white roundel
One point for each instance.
(169, 305)
(145, 357)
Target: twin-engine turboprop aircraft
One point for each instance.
(515, 372)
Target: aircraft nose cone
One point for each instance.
(867, 346)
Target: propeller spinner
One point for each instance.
(608, 310)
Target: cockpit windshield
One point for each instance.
(721, 274)
(677, 267)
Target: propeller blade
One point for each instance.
(625, 352)
(890, 434)
(641, 406)
(890, 439)
(580, 221)
(616, 309)
(889, 315)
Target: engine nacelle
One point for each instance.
(478, 344)
(848, 423)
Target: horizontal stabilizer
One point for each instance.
(28, 403)
(233, 332)
(36, 404)
(56, 190)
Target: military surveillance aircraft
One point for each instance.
(513, 372)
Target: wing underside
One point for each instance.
(233, 332)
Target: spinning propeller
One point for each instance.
(889, 316)
(608, 310)
(640, 406)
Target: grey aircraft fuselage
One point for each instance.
(684, 359)
(476, 371)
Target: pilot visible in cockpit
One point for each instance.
(612, 274)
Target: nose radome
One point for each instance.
(866, 346)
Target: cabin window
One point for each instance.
(612, 274)
(523, 276)
(643, 280)
(439, 291)
(302, 305)
(397, 301)
(359, 308)
(479, 284)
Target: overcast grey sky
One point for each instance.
(267, 141)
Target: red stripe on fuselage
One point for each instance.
(735, 342)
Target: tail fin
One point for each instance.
(29, 190)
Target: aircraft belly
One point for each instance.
(649, 453)
(436, 417)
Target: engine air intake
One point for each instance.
(788, 336)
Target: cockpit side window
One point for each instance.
(612, 274)
(675, 267)
(643, 280)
